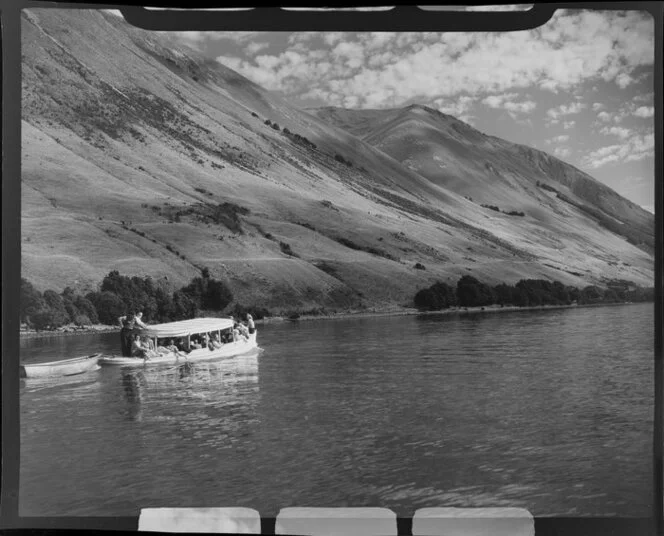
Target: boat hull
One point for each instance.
(228, 350)
(66, 367)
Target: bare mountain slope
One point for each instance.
(143, 156)
(453, 154)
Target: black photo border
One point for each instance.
(273, 18)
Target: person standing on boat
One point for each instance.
(250, 323)
(127, 322)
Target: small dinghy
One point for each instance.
(66, 367)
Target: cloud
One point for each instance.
(604, 116)
(569, 124)
(644, 111)
(507, 102)
(622, 133)
(457, 107)
(254, 47)
(573, 48)
(623, 80)
(598, 106)
(565, 109)
(635, 148)
(562, 152)
(558, 139)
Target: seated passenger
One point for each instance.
(137, 348)
(195, 344)
(216, 343)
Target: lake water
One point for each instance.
(547, 410)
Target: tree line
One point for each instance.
(470, 292)
(118, 295)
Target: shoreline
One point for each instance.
(375, 312)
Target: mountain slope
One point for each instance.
(145, 157)
(455, 155)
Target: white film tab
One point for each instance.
(473, 522)
(208, 520)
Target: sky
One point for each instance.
(580, 87)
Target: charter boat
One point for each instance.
(65, 367)
(187, 331)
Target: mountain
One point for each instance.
(143, 156)
(454, 155)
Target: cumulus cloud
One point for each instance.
(598, 106)
(635, 148)
(623, 80)
(573, 48)
(622, 133)
(604, 116)
(644, 111)
(510, 103)
(458, 107)
(254, 47)
(565, 109)
(558, 139)
(562, 151)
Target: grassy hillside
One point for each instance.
(144, 157)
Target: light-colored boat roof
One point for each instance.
(182, 328)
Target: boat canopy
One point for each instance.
(184, 328)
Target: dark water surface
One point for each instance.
(547, 410)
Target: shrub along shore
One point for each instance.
(49, 313)
(72, 329)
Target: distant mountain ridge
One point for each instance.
(391, 130)
(143, 156)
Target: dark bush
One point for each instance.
(286, 248)
(109, 307)
(472, 293)
(86, 308)
(56, 305)
(420, 266)
(31, 301)
(82, 320)
(438, 296)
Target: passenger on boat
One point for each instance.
(148, 344)
(195, 343)
(244, 332)
(138, 319)
(250, 323)
(206, 341)
(216, 343)
(138, 349)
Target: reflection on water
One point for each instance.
(547, 410)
